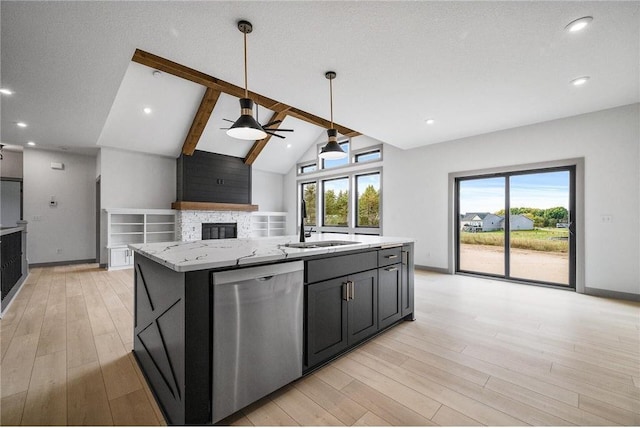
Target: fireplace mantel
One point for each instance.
(212, 206)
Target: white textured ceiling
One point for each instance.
(474, 67)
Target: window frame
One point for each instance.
(364, 151)
(352, 174)
(356, 200)
(301, 165)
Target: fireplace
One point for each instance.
(219, 230)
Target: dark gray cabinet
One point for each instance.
(340, 313)
(389, 295)
(407, 282)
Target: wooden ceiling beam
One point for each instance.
(200, 120)
(179, 70)
(259, 145)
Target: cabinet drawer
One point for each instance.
(333, 267)
(389, 256)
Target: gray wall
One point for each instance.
(10, 167)
(65, 232)
(9, 203)
(608, 140)
(11, 164)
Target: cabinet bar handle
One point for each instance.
(392, 256)
(353, 290)
(345, 291)
(391, 269)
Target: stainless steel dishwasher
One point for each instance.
(257, 333)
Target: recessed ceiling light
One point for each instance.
(579, 81)
(21, 124)
(6, 91)
(31, 143)
(578, 24)
(147, 110)
(288, 146)
(430, 121)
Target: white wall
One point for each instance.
(416, 187)
(65, 232)
(133, 180)
(266, 190)
(136, 180)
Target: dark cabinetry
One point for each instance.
(407, 282)
(340, 313)
(370, 293)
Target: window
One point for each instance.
(369, 156)
(335, 202)
(310, 167)
(309, 194)
(368, 200)
(332, 163)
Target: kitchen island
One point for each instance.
(197, 339)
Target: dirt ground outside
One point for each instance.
(525, 264)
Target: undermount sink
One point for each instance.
(319, 244)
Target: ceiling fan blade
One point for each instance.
(278, 129)
(275, 135)
(225, 128)
(271, 123)
(232, 121)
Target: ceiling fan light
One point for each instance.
(332, 149)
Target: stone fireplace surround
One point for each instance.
(189, 222)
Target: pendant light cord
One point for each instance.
(246, 91)
(331, 99)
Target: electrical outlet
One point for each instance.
(37, 218)
(59, 251)
(607, 218)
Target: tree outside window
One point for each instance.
(368, 202)
(336, 202)
(309, 194)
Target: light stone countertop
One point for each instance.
(220, 253)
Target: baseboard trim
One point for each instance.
(66, 262)
(432, 269)
(599, 292)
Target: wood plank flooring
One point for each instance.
(481, 352)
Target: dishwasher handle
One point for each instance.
(260, 273)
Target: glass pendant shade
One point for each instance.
(332, 149)
(246, 127)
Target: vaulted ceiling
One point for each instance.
(473, 67)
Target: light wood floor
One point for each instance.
(481, 352)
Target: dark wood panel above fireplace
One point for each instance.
(211, 177)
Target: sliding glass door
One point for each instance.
(535, 242)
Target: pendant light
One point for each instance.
(332, 149)
(246, 127)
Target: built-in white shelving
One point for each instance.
(136, 226)
(268, 223)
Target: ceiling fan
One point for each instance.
(267, 127)
(246, 127)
